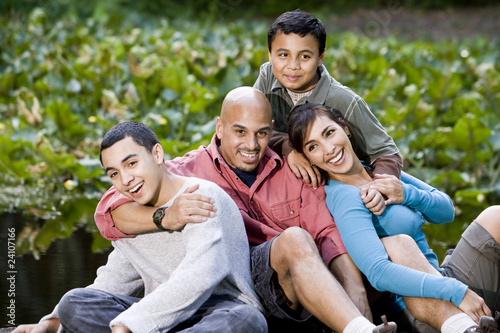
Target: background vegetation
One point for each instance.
(67, 74)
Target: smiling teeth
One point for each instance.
(248, 155)
(339, 156)
(137, 187)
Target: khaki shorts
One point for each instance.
(476, 262)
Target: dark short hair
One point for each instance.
(298, 22)
(301, 119)
(140, 133)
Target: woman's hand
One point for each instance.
(373, 199)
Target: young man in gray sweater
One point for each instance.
(196, 278)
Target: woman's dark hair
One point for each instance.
(301, 119)
(140, 133)
(298, 22)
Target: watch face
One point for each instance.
(158, 215)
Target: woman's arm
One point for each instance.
(358, 233)
(436, 206)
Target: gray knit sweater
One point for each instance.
(180, 270)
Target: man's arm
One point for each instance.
(351, 279)
(117, 216)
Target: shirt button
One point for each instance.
(292, 212)
(251, 201)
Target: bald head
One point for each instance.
(244, 128)
(246, 99)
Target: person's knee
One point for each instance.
(489, 219)
(69, 304)
(247, 319)
(398, 245)
(296, 242)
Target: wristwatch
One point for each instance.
(158, 217)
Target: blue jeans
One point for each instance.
(90, 310)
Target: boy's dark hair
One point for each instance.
(298, 22)
(140, 133)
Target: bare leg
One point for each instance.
(306, 280)
(489, 219)
(403, 250)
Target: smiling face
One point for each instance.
(295, 61)
(327, 146)
(134, 171)
(244, 128)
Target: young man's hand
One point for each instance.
(302, 168)
(46, 326)
(120, 329)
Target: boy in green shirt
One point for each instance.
(295, 75)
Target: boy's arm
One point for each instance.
(117, 216)
(375, 200)
(388, 164)
(279, 143)
(374, 142)
(297, 162)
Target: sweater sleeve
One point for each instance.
(436, 206)
(358, 233)
(204, 266)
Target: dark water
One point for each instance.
(39, 284)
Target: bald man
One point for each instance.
(295, 244)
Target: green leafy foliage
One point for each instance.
(65, 81)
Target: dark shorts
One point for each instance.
(267, 287)
(476, 262)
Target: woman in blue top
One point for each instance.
(324, 137)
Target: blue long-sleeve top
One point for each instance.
(361, 232)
